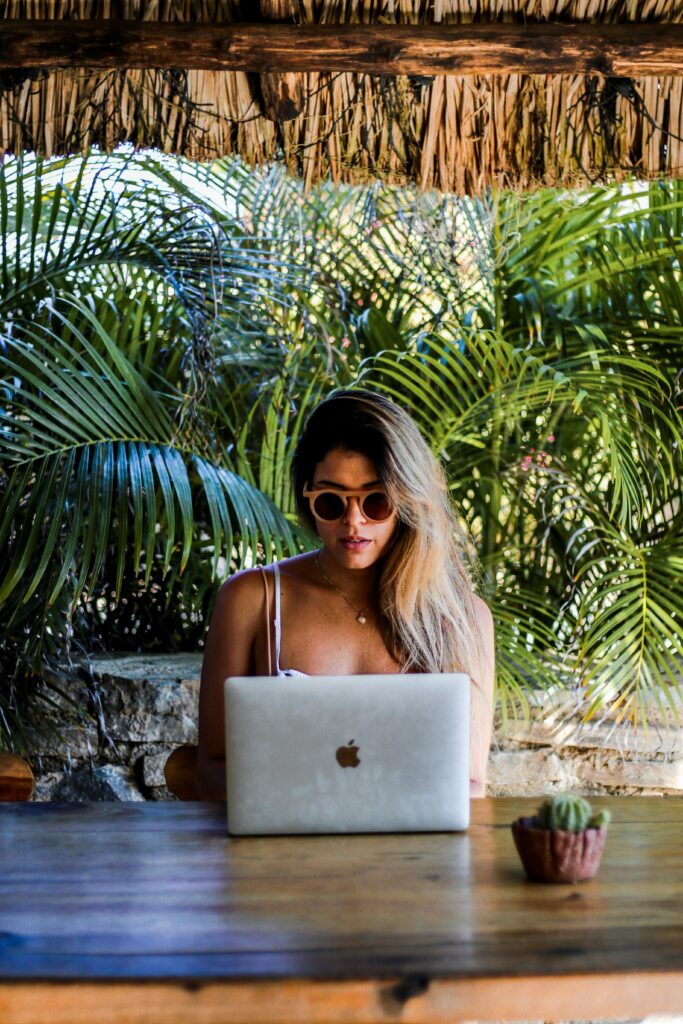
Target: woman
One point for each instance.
(386, 591)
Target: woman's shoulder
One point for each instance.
(301, 568)
(240, 598)
(298, 565)
(241, 583)
(247, 585)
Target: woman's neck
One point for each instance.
(357, 584)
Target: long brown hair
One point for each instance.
(425, 584)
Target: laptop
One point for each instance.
(327, 754)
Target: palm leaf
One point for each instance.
(87, 471)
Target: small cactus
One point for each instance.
(569, 814)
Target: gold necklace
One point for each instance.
(360, 616)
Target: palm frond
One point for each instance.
(93, 447)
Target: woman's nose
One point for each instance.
(353, 512)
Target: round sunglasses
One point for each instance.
(330, 506)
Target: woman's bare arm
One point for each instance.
(482, 697)
(237, 614)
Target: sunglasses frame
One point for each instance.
(345, 495)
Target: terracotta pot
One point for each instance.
(551, 855)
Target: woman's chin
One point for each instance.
(355, 556)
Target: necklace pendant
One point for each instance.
(361, 618)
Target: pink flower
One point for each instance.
(345, 342)
(360, 302)
(373, 297)
(551, 437)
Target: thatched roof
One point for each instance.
(452, 132)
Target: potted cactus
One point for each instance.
(563, 841)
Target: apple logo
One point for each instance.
(348, 756)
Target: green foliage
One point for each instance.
(120, 493)
(165, 327)
(570, 814)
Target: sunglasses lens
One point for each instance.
(377, 506)
(329, 506)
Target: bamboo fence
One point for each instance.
(454, 133)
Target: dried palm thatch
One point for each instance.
(458, 134)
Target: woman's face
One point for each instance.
(353, 541)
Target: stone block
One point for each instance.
(160, 793)
(47, 785)
(528, 773)
(555, 719)
(149, 698)
(572, 732)
(609, 770)
(153, 768)
(66, 741)
(105, 782)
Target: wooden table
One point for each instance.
(148, 912)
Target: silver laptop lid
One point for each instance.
(371, 753)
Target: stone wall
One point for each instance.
(554, 752)
(143, 707)
(146, 706)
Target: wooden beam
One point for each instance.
(283, 93)
(625, 50)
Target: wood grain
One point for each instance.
(149, 912)
(632, 50)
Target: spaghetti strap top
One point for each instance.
(277, 622)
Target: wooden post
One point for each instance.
(16, 778)
(283, 92)
(180, 772)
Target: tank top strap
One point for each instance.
(278, 628)
(264, 577)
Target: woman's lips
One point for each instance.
(354, 544)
